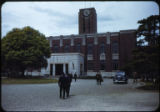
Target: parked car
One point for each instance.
(120, 77)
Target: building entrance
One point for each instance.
(58, 69)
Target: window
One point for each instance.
(102, 65)
(66, 48)
(90, 48)
(102, 48)
(78, 47)
(90, 66)
(115, 47)
(55, 49)
(115, 65)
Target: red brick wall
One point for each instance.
(90, 23)
(127, 44)
(115, 39)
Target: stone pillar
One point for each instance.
(108, 53)
(50, 42)
(95, 39)
(96, 58)
(72, 43)
(108, 38)
(54, 73)
(84, 52)
(61, 41)
(84, 40)
(72, 40)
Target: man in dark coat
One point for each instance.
(62, 82)
(99, 78)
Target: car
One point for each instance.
(120, 77)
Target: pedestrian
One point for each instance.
(62, 85)
(134, 77)
(69, 80)
(97, 78)
(75, 76)
(100, 78)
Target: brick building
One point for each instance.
(105, 52)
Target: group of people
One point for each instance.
(99, 78)
(64, 83)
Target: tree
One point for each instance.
(24, 48)
(148, 46)
(146, 54)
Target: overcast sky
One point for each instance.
(61, 18)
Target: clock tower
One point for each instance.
(87, 21)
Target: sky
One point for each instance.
(61, 18)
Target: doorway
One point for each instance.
(58, 69)
(66, 68)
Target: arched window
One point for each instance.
(115, 47)
(66, 48)
(90, 48)
(102, 48)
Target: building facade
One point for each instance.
(105, 52)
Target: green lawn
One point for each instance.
(27, 81)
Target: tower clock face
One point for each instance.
(86, 12)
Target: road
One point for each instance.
(85, 96)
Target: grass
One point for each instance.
(27, 81)
(149, 86)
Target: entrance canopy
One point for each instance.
(66, 62)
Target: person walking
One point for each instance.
(134, 77)
(75, 76)
(97, 78)
(62, 82)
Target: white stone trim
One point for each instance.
(95, 40)
(72, 40)
(127, 31)
(50, 43)
(84, 40)
(102, 56)
(115, 56)
(89, 57)
(108, 37)
(103, 73)
(61, 41)
(58, 54)
(115, 34)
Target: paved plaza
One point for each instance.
(85, 96)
